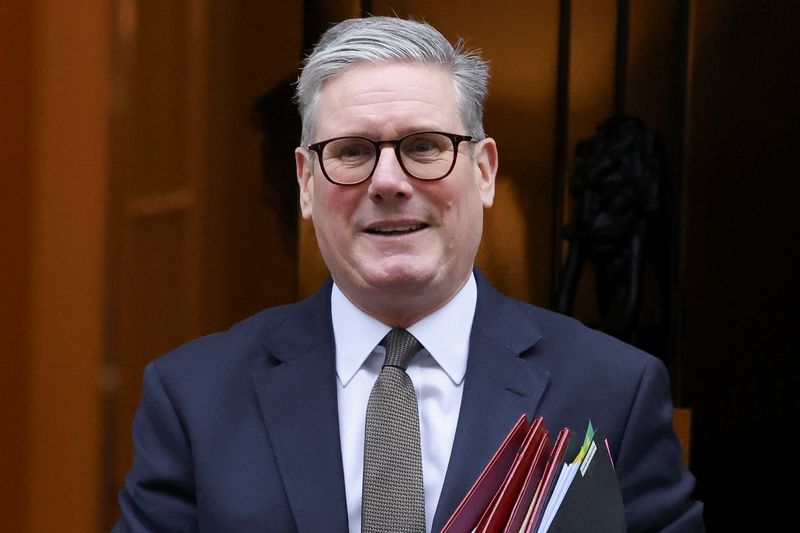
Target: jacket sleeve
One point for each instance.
(159, 491)
(656, 485)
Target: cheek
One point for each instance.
(335, 203)
(467, 222)
(464, 209)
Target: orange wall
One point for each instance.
(55, 55)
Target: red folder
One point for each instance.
(469, 511)
(532, 480)
(551, 471)
(496, 516)
(512, 492)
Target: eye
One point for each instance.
(353, 150)
(423, 146)
(350, 151)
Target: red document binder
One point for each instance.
(513, 490)
(545, 488)
(496, 515)
(535, 472)
(469, 511)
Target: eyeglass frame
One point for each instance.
(455, 138)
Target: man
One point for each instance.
(262, 427)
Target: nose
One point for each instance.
(389, 181)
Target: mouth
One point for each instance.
(396, 230)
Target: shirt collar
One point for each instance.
(444, 333)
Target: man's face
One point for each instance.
(397, 276)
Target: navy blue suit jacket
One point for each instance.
(238, 431)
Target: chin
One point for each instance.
(402, 277)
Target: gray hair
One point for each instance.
(391, 39)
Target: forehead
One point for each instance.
(388, 99)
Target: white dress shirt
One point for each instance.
(437, 372)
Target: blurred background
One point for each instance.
(148, 198)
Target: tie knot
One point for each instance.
(400, 348)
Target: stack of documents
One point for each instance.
(534, 483)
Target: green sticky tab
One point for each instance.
(587, 441)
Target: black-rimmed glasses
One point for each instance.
(425, 155)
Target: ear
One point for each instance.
(486, 162)
(304, 161)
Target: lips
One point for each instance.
(395, 229)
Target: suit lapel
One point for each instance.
(296, 389)
(499, 386)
